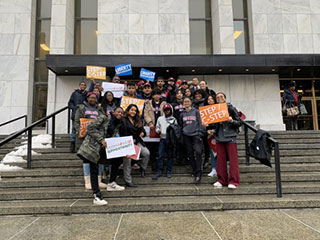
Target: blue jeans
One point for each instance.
(169, 150)
(86, 169)
(213, 159)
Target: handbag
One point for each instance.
(303, 109)
(292, 111)
(153, 133)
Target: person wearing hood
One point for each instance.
(77, 97)
(292, 98)
(226, 136)
(161, 128)
(192, 131)
(88, 109)
(198, 98)
(108, 102)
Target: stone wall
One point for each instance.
(17, 28)
(285, 26)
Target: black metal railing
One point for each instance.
(29, 132)
(275, 144)
(16, 119)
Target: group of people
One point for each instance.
(171, 111)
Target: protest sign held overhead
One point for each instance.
(147, 74)
(83, 126)
(96, 72)
(123, 69)
(119, 147)
(115, 88)
(126, 101)
(214, 113)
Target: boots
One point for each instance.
(101, 184)
(87, 183)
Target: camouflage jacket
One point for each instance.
(96, 133)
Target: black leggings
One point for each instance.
(193, 145)
(115, 164)
(94, 170)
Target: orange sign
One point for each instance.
(83, 126)
(126, 101)
(214, 113)
(96, 72)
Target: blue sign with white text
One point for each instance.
(147, 75)
(123, 69)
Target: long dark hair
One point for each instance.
(206, 100)
(104, 102)
(136, 120)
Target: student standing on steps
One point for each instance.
(192, 130)
(226, 136)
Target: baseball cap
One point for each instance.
(167, 106)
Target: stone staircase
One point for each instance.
(55, 184)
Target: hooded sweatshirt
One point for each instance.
(191, 122)
(90, 111)
(163, 123)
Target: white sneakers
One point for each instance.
(212, 173)
(102, 185)
(99, 201)
(219, 185)
(114, 187)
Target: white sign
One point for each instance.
(119, 147)
(116, 88)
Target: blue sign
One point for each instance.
(147, 75)
(123, 69)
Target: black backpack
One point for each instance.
(260, 147)
(174, 135)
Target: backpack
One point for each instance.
(174, 135)
(260, 148)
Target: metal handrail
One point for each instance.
(15, 119)
(29, 130)
(275, 143)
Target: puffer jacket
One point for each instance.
(96, 133)
(163, 123)
(149, 113)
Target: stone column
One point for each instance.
(222, 27)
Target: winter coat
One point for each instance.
(288, 98)
(229, 130)
(114, 127)
(128, 129)
(80, 113)
(77, 97)
(260, 147)
(163, 123)
(210, 92)
(149, 113)
(198, 103)
(96, 133)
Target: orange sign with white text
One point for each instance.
(126, 101)
(214, 113)
(96, 72)
(83, 126)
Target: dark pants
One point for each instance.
(229, 150)
(94, 170)
(115, 164)
(206, 148)
(73, 133)
(169, 150)
(193, 145)
(180, 154)
(294, 123)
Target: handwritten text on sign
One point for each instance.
(119, 147)
(83, 126)
(96, 72)
(214, 113)
(115, 88)
(126, 101)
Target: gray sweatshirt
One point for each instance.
(190, 122)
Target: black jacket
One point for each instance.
(229, 129)
(127, 129)
(114, 127)
(260, 147)
(210, 92)
(76, 98)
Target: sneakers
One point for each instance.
(217, 185)
(157, 175)
(212, 173)
(169, 175)
(231, 186)
(114, 187)
(98, 200)
(135, 166)
(102, 185)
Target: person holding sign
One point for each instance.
(226, 134)
(131, 125)
(85, 111)
(192, 130)
(92, 150)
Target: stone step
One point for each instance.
(155, 191)
(72, 181)
(163, 204)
